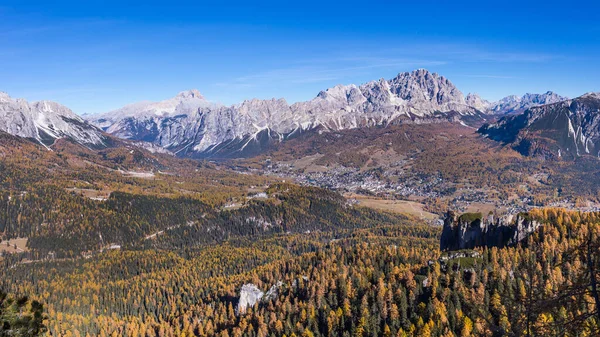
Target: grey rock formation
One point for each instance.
(249, 296)
(46, 121)
(566, 129)
(472, 230)
(273, 291)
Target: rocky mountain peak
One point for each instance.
(541, 99)
(56, 108)
(422, 85)
(338, 92)
(185, 103)
(477, 102)
(4, 97)
(595, 95)
(510, 98)
(193, 93)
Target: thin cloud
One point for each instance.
(500, 57)
(66, 91)
(326, 72)
(327, 69)
(17, 33)
(489, 76)
(471, 53)
(77, 24)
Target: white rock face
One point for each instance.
(249, 296)
(45, 122)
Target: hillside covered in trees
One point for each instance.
(382, 280)
(20, 316)
(124, 242)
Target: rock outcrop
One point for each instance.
(472, 230)
(273, 291)
(249, 296)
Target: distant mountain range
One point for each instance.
(188, 125)
(191, 126)
(515, 104)
(568, 129)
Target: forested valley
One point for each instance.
(112, 252)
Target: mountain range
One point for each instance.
(516, 104)
(189, 125)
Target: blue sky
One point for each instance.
(95, 56)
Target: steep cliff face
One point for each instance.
(249, 296)
(472, 230)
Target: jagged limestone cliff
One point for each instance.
(472, 230)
